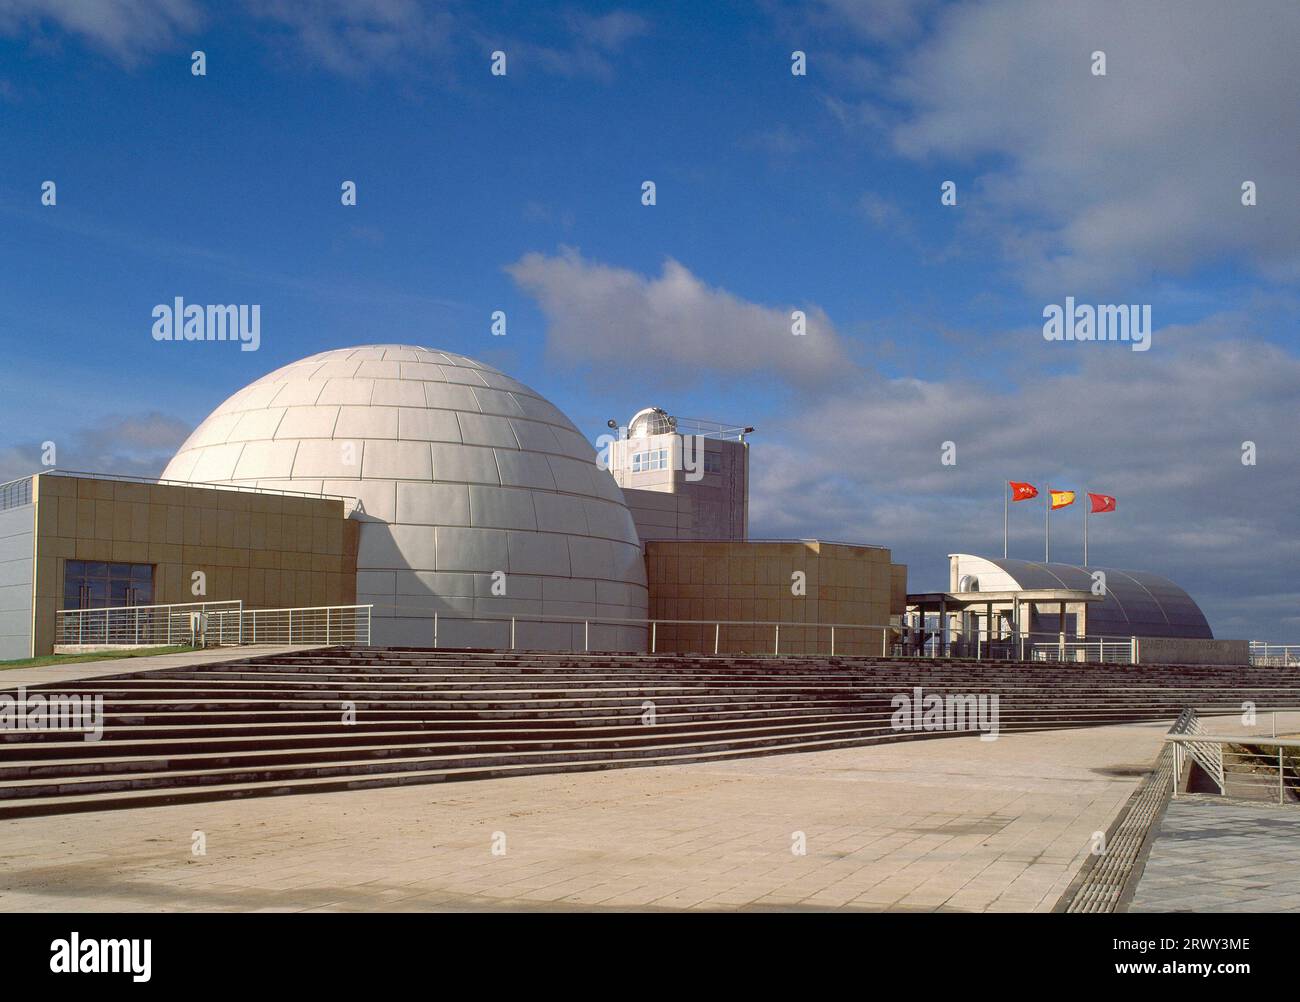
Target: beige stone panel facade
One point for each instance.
(268, 550)
(727, 584)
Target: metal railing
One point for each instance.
(714, 633)
(794, 637)
(325, 624)
(16, 493)
(1274, 655)
(1207, 754)
(211, 624)
(780, 539)
(158, 481)
(1243, 766)
(1118, 650)
(709, 429)
(137, 625)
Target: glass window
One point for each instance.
(96, 592)
(92, 584)
(655, 459)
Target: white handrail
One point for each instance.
(220, 623)
(1211, 753)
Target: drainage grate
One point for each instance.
(1106, 882)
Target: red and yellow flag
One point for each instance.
(1061, 499)
(1101, 502)
(1022, 492)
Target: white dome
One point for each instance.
(651, 421)
(461, 472)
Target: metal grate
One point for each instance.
(1106, 881)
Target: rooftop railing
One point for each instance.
(759, 539)
(15, 493)
(158, 481)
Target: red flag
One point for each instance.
(1022, 492)
(1101, 502)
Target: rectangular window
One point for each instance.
(655, 459)
(92, 584)
(713, 462)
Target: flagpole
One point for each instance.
(1006, 504)
(1047, 529)
(1086, 506)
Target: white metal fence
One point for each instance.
(138, 625)
(793, 637)
(1208, 754)
(1242, 766)
(211, 624)
(229, 624)
(1274, 655)
(1114, 650)
(15, 493)
(326, 624)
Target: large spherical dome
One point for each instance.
(461, 473)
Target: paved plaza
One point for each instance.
(953, 824)
(1214, 856)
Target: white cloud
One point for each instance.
(126, 29)
(1142, 166)
(880, 20)
(1087, 181)
(676, 323)
(138, 444)
(779, 141)
(1162, 432)
(594, 43)
(884, 213)
(354, 37)
(608, 32)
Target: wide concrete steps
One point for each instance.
(270, 726)
(67, 803)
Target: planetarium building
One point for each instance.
(477, 498)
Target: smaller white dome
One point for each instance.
(651, 421)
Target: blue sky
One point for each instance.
(775, 192)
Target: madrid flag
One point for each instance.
(1061, 499)
(1022, 492)
(1101, 502)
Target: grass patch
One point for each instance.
(72, 659)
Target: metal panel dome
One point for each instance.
(1136, 603)
(461, 472)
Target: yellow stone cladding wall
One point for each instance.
(751, 581)
(270, 550)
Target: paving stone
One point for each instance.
(1210, 856)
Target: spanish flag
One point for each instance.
(1061, 499)
(1022, 492)
(1101, 502)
